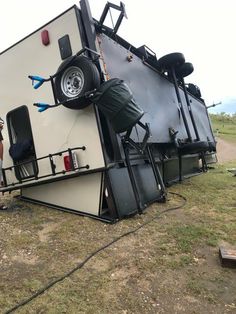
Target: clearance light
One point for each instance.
(67, 163)
(45, 37)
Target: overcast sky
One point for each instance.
(203, 30)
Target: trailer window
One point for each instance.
(22, 148)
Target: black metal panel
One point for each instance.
(190, 165)
(146, 183)
(82, 34)
(154, 93)
(202, 120)
(88, 23)
(122, 191)
(65, 47)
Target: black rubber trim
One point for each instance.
(193, 148)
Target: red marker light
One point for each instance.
(45, 37)
(67, 163)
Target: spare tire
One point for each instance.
(194, 90)
(174, 59)
(184, 70)
(76, 76)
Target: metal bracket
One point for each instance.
(140, 147)
(52, 165)
(147, 53)
(120, 8)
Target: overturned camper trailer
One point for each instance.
(127, 124)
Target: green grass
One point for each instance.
(173, 260)
(224, 126)
(189, 235)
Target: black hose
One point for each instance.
(80, 265)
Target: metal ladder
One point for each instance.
(143, 148)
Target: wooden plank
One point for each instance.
(227, 257)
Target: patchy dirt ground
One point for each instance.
(170, 266)
(226, 151)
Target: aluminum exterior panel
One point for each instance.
(153, 92)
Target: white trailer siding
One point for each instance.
(55, 129)
(80, 194)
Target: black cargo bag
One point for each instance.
(115, 100)
(22, 150)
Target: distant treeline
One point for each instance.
(223, 117)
